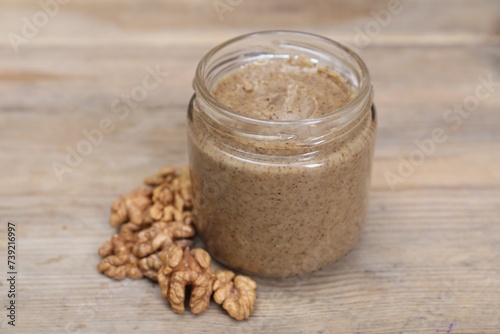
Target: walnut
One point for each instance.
(169, 213)
(171, 195)
(171, 200)
(235, 294)
(129, 231)
(183, 268)
(133, 207)
(118, 261)
(163, 194)
(106, 249)
(160, 236)
(151, 265)
(163, 198)
(165, 174)
(184, 189)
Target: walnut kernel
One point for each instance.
(236, 294)
(160, 236)
(133, 207)
(183, 268)
(118, 261)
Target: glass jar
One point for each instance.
(280, 198)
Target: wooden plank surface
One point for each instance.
(429, 258)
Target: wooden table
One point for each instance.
(429, 258)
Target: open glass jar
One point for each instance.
(280, 198)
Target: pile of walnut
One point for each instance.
(155, 231)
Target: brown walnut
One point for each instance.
(182, 268)
(171, 200)
(118, 261)
(236, 294)
(165, 174)
(133, 207)
(151, 264)
(160, 236)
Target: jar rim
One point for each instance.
(201, 89)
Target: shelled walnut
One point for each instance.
(129, 231)
(159, 236)
(133, 207)
(182, 268)
(151, 265)
(166, 174)
(236, 294)
(118, 261)
(171, 200)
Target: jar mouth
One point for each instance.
(285, 44)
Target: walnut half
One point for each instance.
(118, 261)
(133, 207)
(183, 268)
(151, 264)
(235, 294)
(160, 236)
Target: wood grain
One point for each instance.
(429, 259)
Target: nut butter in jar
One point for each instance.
(281, 134)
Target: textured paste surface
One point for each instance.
(283, 90)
